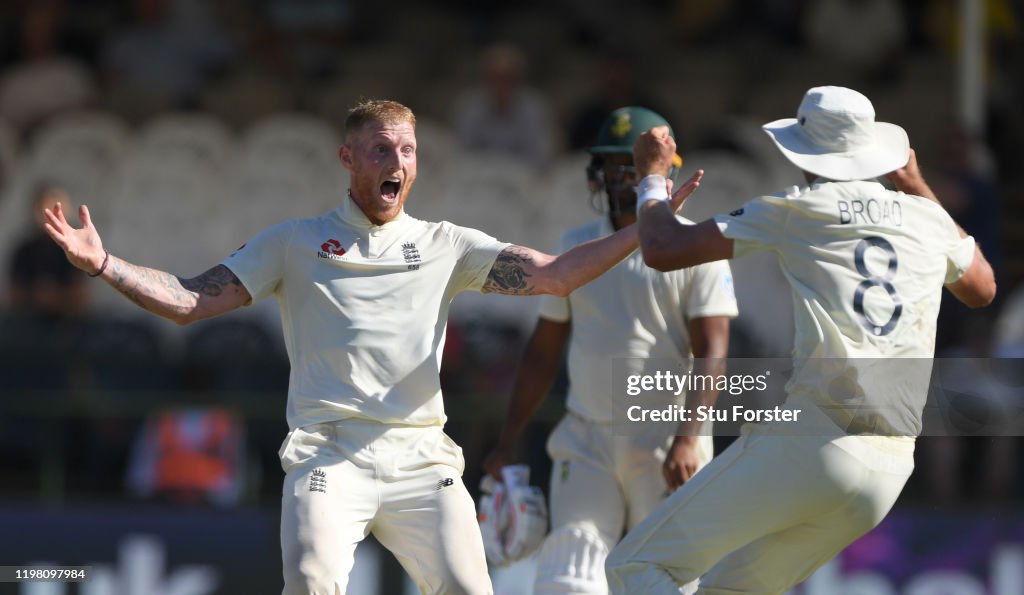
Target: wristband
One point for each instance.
(103, 267)
(653, 187)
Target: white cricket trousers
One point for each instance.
(601, 485)
(764, 515)
(347, 479)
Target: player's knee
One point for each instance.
(572, 561)
(466, 579)
(312, 577)
(468, 585)
(627, 577)
(303, 585)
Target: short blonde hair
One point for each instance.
(382, 111)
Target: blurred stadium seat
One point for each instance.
(81, 152)
(240, 353)
(124, 354)
(288, 168)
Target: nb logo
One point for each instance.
(736, 213)
(443, 483)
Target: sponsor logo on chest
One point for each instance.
(331, 250)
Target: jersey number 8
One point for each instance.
(884, 281)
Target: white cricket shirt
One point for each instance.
(364, 309)
(867, 266)
(632, 311)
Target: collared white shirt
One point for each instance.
(364, 309)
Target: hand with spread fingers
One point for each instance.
(83, 246)
(685, 191)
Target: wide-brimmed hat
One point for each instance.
(835, 136)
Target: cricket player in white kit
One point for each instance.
(364, 293)
(603, 484)
(867, 266)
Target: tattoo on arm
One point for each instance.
(508, 275)
(164, 294)
(212, 282)
(148, 287)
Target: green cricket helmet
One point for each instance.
(621, 129)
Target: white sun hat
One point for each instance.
(835, 136)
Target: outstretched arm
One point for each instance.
(977, 288)
(214, 292)
(668, 244)
(524, 271)
(536, 374)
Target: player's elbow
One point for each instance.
(983, 297)
(657, 256)
(185, 317)
(659, 264)
(182, 319)
(975, 294)
(558, 288)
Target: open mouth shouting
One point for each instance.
(390, 190)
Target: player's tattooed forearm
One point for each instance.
(136, 283)
(508, 275)
(212, 282)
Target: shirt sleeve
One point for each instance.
(756, 226)
(476, 252)
(260, 263)
(710, 291)
(959, 259)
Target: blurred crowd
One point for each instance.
(189, 125)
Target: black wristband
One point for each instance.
(103, 266)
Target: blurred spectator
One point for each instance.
(701, 21)
(192, 453)
(312, 32)
(1009, 326)
(973, 456)
(732, 24)
(44, 81)
(616, 87)
(966, 184)
(999, 19)
(503, 115)
(866, 36)
(42, 283)
(164, 57)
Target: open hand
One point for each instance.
(83, 247)
(685, 190)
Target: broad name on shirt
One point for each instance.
(876, 211)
